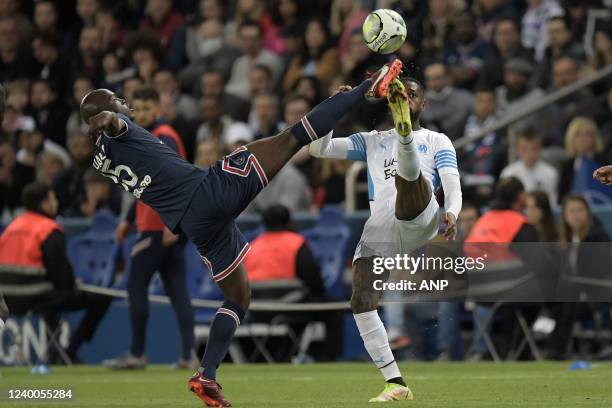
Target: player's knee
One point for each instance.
(363, 301)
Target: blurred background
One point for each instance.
(522, 88)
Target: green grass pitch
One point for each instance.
(454, 385)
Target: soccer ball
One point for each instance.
(384, 31)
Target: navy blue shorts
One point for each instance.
(230, 186)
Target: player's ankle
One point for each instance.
(397, 380)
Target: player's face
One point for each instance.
(416, 100)
(146, 112)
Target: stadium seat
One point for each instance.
(93, 256)
(328, 241)
(104, 222)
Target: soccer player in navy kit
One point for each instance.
(203, 203)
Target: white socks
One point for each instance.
(376, 342)
(408, 164)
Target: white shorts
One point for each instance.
(385, 235)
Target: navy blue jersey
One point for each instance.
(143, 165)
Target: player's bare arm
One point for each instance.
(107, 122)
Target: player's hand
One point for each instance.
(123, 229)
(168, 238)
(450, 232)
(604, 175)
(342, 88)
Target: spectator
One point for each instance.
(358, 60)
(506, 45)
(88, 62)
(207, 50)
(17, 102)
(130, 86)
(186, 128)
(251, 44)
(165, 83)
(215, 124)
(560, 45)
(212, 85)
(45, 16)
(318, 58)
(280, 253)
(465, 55)
(69, 186)
(207, 153)
(447, 107)
(534, 33)
(115, 73)
(584, 146)
(164, 21)
(114, 35)
(504, 223)
(46, 47)
(100, 195)
(146, 53)
(516, 90)
(436, 28)
(345, 17)
(248, 11)
(285, 13)
(309, 87)
(87, 9)
(80, 87)
(33, 143)
(264, 122)
(49, 111)
(580, 103)
(15, 59)
(578, 226)
(530, 169)
(482, 160)
(260, 80)
(492, 12)
(53, 291)
(602, 56)
(14, 176)
(539, 214)
(48, 167)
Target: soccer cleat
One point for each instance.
(209, 391)
(126, 362)
(393, 392)
(382, 78)
(400, 110)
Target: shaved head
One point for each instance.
(100, 100)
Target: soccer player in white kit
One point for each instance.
(406, 165)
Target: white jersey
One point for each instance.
(379, 151)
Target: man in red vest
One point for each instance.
(156, 249)
(35, 273)
(280, 253)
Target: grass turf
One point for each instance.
(454, 385)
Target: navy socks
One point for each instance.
(222, 331)
(323, 117)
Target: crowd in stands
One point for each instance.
(230, 72)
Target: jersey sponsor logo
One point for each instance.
(120, 174)
(389, 168)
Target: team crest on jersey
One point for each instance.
(423, 148)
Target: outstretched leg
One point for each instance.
(274, 152)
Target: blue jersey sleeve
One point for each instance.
(358, 150)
